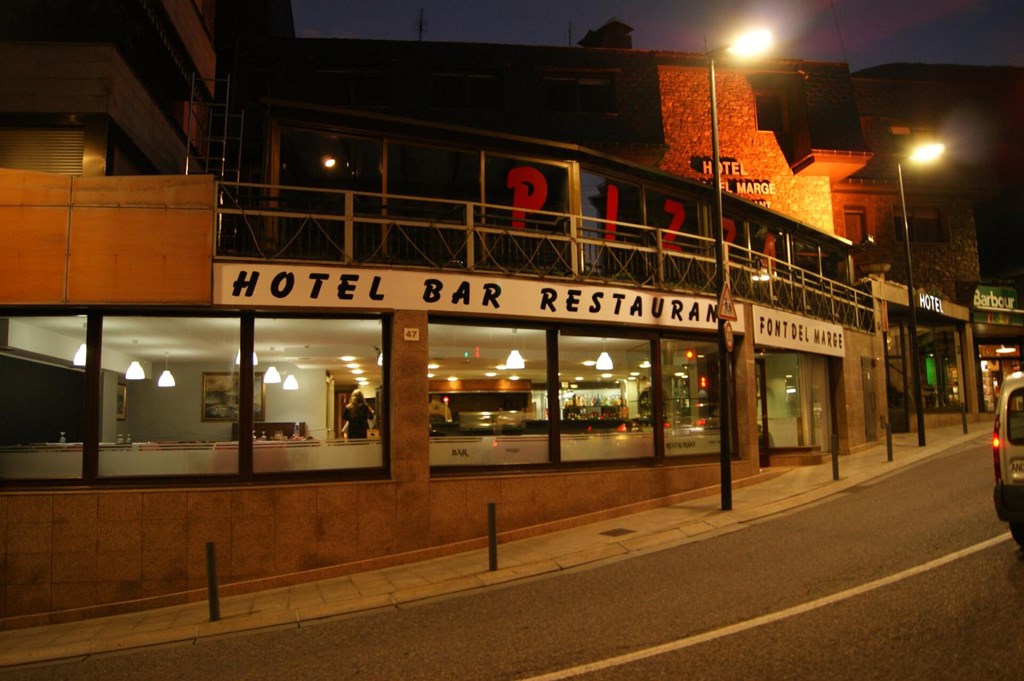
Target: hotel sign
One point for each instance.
(275, 285)
(735, 180)
(927, 301)
(777, 329)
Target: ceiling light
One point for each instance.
(166, 379)
(272, 375)
(604, 362)
(238, 358)
(290, 383)
(135, 371)
(79, 360)
(515, 361)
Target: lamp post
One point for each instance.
(922, 154)
(748, 44)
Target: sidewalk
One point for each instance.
(656, 529)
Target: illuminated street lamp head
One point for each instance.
(751, 44)
(927, 152)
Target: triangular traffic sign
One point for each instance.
(726, 308)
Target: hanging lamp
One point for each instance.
(166, 379)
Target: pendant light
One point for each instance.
(290, 383)
(135, 371)
(80, 356)
(166, 379)
(515, 360)
(272, 375)
(238, 358)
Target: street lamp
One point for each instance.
(747, 45)
(921, 154)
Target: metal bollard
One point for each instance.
(963, 414)
(492, 537)
(888, 441)
(211, 581)
(835, 456)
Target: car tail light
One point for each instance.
(995, 452)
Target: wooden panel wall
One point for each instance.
(96, 240)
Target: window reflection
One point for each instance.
(41, 391)
(691, 397)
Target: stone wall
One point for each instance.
(685, 109)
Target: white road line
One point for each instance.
(707, 636)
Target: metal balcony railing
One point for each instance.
(359, 228)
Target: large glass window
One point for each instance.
(607, 202)
(488, 395)
(170, 396)
(415, 170)
(940, 367)
(690, 397)
(529, 189)
(41, 389)
(311, 158)
(605, 397)
(797, 401)
(676, 217)
(805, 255)
(314, 375)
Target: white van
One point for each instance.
(1008, 455)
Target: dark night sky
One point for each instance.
(869, 32)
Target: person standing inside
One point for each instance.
(358, 415)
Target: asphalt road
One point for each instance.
(908, 577)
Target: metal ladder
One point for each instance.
(214, 145)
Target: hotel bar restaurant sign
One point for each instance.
(260, 285)
(777, 329)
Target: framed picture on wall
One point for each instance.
(122, 401)
(220, 397)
